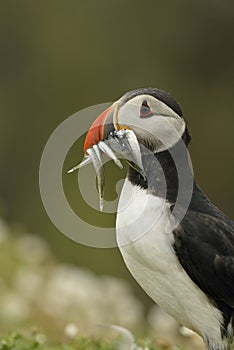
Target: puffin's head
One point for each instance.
(153, 115)
(150, 117)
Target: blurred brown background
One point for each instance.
(58, 57)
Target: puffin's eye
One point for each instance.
(145, 110)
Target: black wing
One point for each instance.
(204, 246)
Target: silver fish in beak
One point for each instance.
(106, 137)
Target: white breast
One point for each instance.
(148, 253)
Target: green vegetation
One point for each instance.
(20, 342)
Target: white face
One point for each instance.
(155, 124)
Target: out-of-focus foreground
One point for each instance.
(57, 301)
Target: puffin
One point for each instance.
(175, 242)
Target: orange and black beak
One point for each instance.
(100, 129)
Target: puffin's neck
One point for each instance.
(163, 171)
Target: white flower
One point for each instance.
(14, 308)
(41, 338)
(71, 330)
(31, 248)
(28, 281)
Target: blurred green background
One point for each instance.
(58, 57)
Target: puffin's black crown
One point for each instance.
(161, 95)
